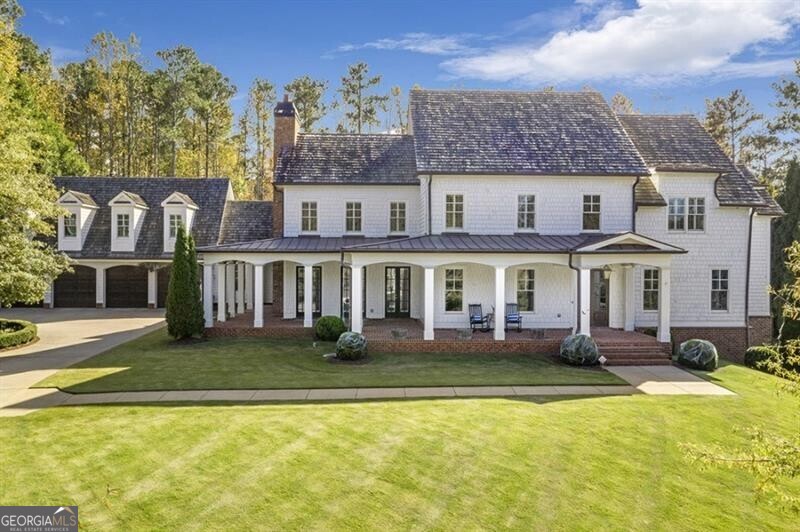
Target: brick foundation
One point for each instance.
(760, 330)
(272, 331)
(731, 342)
(540, 347)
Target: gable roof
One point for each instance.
(343, 158)
(210, 195)
(245, 221)
(675, 143)
(771, 206)
(136, 199)
(529, 133)
(84, 199)
(180, 196)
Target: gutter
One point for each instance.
(577, 299)
(430, 184)
(634, 207)
(747, 277)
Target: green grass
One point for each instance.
(599, 463)
(153, 362)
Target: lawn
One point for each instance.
(542, 464)
(153, 362)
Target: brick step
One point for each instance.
(630, 347)
(628, 344)
(639, 362)
(632, 352)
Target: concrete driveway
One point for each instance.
(66, 336)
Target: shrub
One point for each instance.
(16, 332)
(759, 353)
(329, 328)
(184, 309)
(351, 346)
(579, 350)
(698, 354)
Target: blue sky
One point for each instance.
(668, 56)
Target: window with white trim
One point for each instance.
(454, 211)
(175, 221)
(70, 224)
(676, 214)
(650, 289)
(397, 217)
(591, 212)
(526, 212)
(453, 289)
(352, 221)
(123, 225)
(686, 214)
(308, 216)
(719, 289)
(696, 215)
(526, 286)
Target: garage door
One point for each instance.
(126, 287)
(163, 285)
(76, 289)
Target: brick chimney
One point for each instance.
(286, 129)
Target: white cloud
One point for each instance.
(657, 42)
(53, 19)
(423, 43)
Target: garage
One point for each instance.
(163, 285)
(126, 287)
(76, 289)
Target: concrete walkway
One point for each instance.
(66, 336)
(666, 380)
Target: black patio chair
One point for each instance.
(477, 319)
(513, 317)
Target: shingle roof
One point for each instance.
(85, 199)
(346, 158)
(735, 190)
(245, 221)
(186, 199)
(506, 132)
(135, 198)
(771, 206)
(675, 142)
(646, 194)
(210, 194)
(295, 244)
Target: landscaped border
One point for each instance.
(24, 334)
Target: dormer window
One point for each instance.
(123, 225)
(70, 225)
(175, 221)
(127, 214)
(179, 210)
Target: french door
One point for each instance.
(316, 297)
(398, 291)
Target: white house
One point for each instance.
(542, 204)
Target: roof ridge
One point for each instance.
(347, 134)
(160, 178)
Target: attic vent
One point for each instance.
(122, 202)
(68, 201)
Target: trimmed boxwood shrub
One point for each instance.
(579, 350)
(16, 332)
(329, 328)
(759, 353)
(351, 346)
(698, 354)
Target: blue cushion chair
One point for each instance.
(513, 317)
(477, 319)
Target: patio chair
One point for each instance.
(477, 319)
(513, 316)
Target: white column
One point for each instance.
(586, 295)
(499, 303)
(240, 287)
(100, 287)
(222, 269)
(152, 288)
(47, 301)
(308, 293)
(630, 298)
(230, 288)
(356, 298)
(248, 286)
(258, 315)
(616, 298)
(208, 294)
(429, 300)
(663, 305)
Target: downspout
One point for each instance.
(633, 204)
(747, 275)
(430, 184)
(578, 298)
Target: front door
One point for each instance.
(398, 291)
(599, 302)
(316, 297)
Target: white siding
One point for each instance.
(760, 266)
(490, 202)
(331, 201)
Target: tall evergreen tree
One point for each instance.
(260, 103)
(728, 120)
(176, 96)
(360, 107)
(787, 122)
(198, 321)
(183, 301)
(785, 231)
(622, 105)
(307, 95)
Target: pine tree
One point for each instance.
(360, 107)
(785, 231)
(622, 105)
(728, 120)
(260, 103)
(183, 301)
(198, 320)
(307, 94)
(787, 122)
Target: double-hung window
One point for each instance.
(526, 286)
(526, 212)
(175, 221)
(650, 289)
(397, 217)
(123, 225)
(70, 224)
(454, 211)
(453, 289)
(353, 217)
(308, 217)
(591, 212)
(686, 214)
(719, 289)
